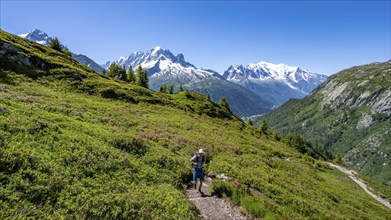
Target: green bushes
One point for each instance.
(115, 94)
(132, 145)
(240, 195)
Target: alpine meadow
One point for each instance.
(75, 144)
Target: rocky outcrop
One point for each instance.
(349, 114)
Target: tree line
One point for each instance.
(115, 71)
(296, 141)
(119, 73)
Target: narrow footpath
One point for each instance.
(213, 207)
(362, 184)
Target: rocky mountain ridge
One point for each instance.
(349, 114)
(41, 37)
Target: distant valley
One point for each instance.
(349, 114)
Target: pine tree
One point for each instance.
(161, 89)
(264, 127)
(224, 103)
(115, 71)
(104, 72)
(275, 136)
(187, 93)
(338, 159)
(180, 88)
(67, 52)
(142, 77)
(287, 139)
(171, 88)
(130, 76)
(55, 44)
(208, 97)
(122, 74)
(299, 143)
(165, 88)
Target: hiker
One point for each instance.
(198, 168)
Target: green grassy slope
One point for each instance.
(349, 114)
(74, 144)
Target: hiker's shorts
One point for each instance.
(198, 173)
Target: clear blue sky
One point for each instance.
(323, 36)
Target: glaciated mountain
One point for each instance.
(276, 82)
(41, 37)
(37, 36)
(165, 67)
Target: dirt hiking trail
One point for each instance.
(211, 206)
(352, 174)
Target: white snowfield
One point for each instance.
(352, 174)
(293, 76)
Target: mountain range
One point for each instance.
(268, 85)
(349, 114)
(251, 90)
(79, 145)
(278, 82)
(165, 67)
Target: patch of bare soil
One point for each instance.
(353, 175)
(212, 206)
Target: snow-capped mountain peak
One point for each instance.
(156, 49)
(163, 67)
(150, 58)
(38, 36)
(263, 72)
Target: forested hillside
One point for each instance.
(349, 114)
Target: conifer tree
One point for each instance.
(180, 88)
(224, 103)
(165, 88)
(122, 74)
(171, 88)
(142, 77)
(66, 51)
(116, 72)
(287, 139)
(249, 122)
(338, 159)
(104, 72)
(187, 93)
(299, 143)
(264, 127)
(161, 89)
(112, 71)
(130, 75)
(55, 44)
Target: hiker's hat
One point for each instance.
(201, 151)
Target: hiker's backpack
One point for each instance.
(199, 159)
